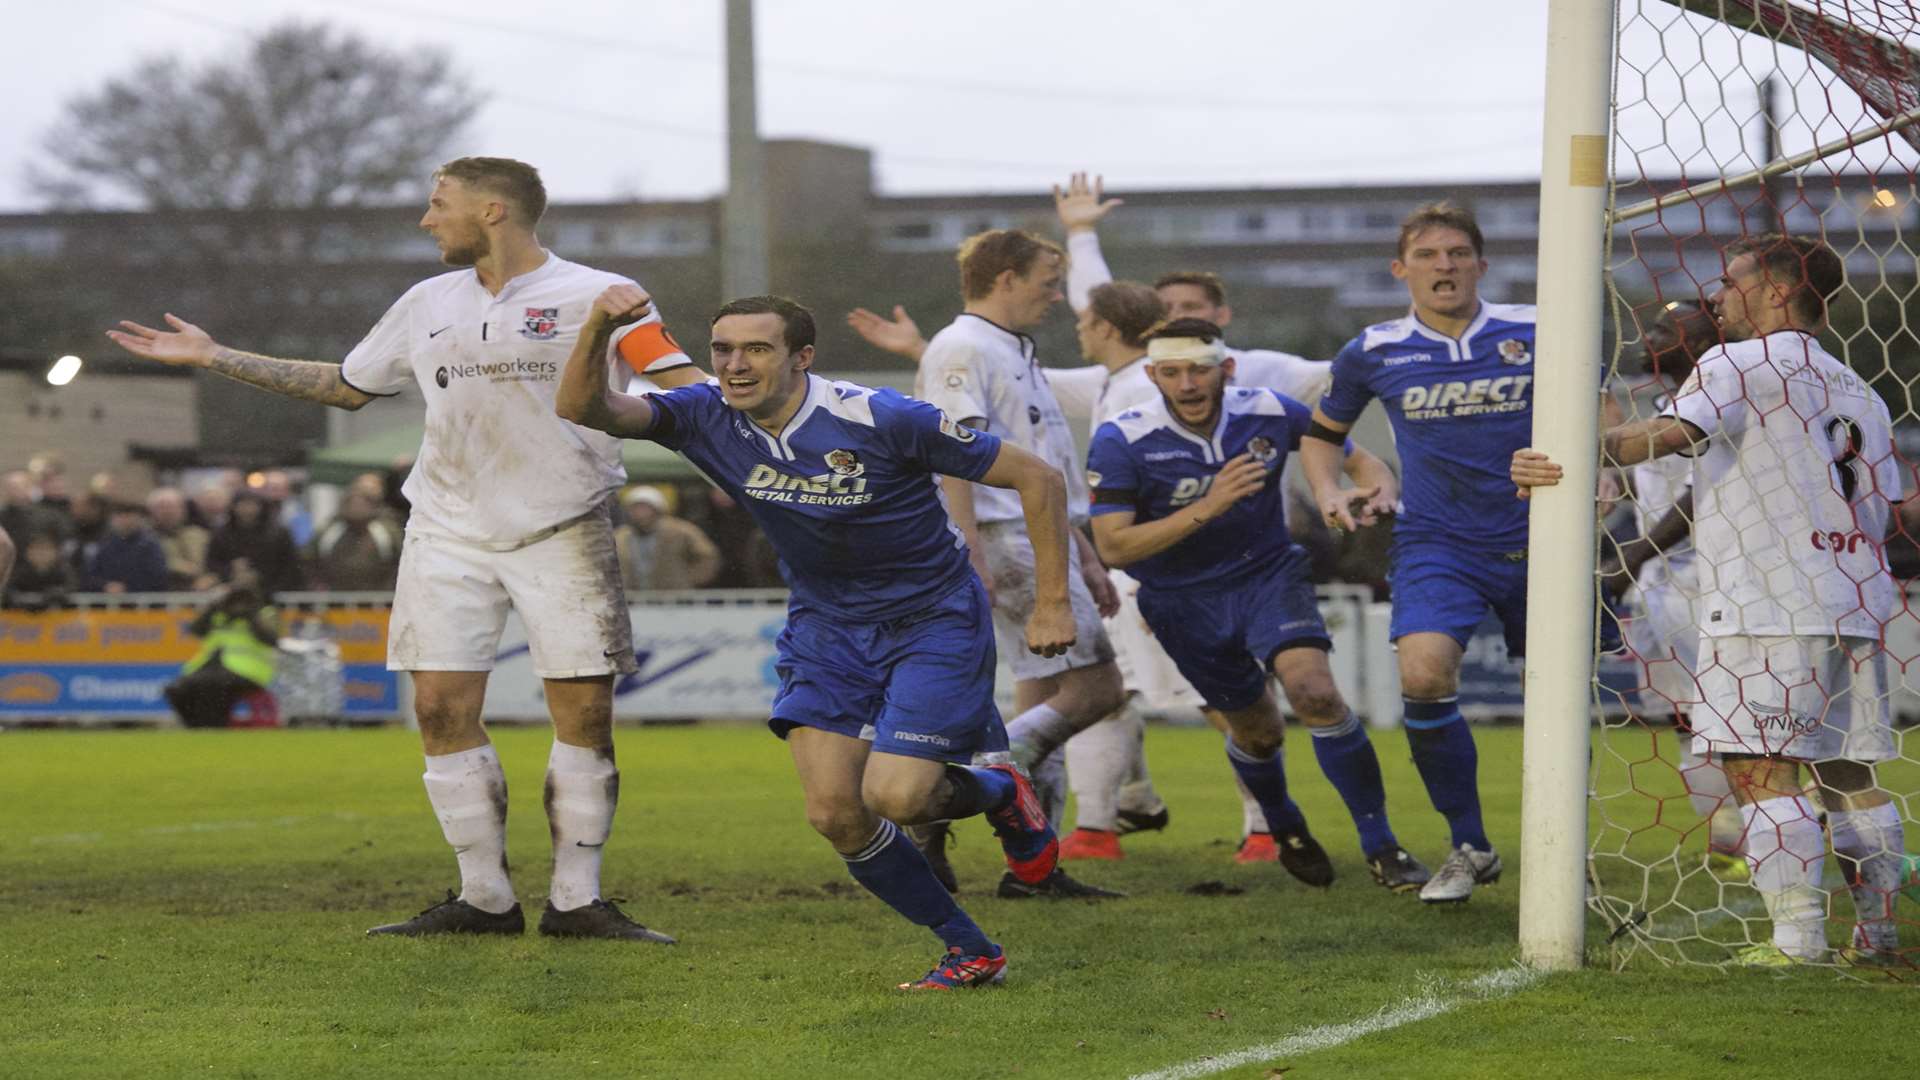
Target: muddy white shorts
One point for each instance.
(450, 604)
(1009, 557)
(1807, 698)
(1665, 638)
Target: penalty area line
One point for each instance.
(1435, 1000)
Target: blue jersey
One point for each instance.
(1147, 462)
(1459, 409)
(845, 492)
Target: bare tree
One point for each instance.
(307, 117)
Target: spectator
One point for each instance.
(7, 553)
(49, 472)
(658, 550)
(251, 541)
(210, 502)
(373, 485)
(184, 542)
(42, 576)
(20, 515)
(237, 656)
(87, 517)
(359, 550)
(128, 556)
(288, 509)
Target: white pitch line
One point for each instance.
(1426, 1005)
(197, 827)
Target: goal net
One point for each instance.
(1737, 119)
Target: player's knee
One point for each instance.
(1316, 700)
(442, 718)
(899, 799)
(842, 822)
(1428, 681)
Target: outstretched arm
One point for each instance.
(584, 396)
(1043, 498)
(899, 335)
(1081, 208)
(186, 345)
(1628, 444)
(1375, 489)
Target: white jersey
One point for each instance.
(1791, 492)
(496, 465)
(976, 368)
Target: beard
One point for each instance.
(466, 251)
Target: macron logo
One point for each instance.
(915, 737)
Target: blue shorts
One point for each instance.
(1223, 638)
(1446, 589)
(920, 685)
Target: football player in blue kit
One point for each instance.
(1187, 498)
(887, 660)
(1455, 375)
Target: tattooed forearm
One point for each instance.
(307, 380)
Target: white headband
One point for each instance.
(1186, 348)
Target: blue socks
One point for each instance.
(1346, 757)
(893, 869)
(1443, 751)
(1266, 778)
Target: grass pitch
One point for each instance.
(192, 903)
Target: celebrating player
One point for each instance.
(1794, 472)
(887, 660)
(1454, 375)
(1186, 496)
(983, 372)
(511, 509)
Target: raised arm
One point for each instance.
(899, 335)
(1081, 209)
(186, 345)
(583, 395)
(1043, 499)
(1122, 542)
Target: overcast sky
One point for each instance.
(624, 98)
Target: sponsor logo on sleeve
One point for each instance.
(955, 431)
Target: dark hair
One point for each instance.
(1444, 215)
(797, 321)
(1808, 268)
(1130, 307)
(515, 181)
(985, 256)
(1208, 281)
(1195, 328)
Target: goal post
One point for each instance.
(1574, 175)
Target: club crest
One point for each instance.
(542, 323)
(1514, 351)
(1262, 449)
(845, 463)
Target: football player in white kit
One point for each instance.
(982, 371)
(511, 510)
(1794, 474)
(1655, 573)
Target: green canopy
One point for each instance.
(646, 462)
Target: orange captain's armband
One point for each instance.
(647, 343)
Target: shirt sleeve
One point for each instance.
(1714, 397)
(382, 364)
(1077, 389)
(647, 347)
(953, 380)
(1086, 268)
(680, 416)
(1347, 395)
(929, 438)
(1111, 474)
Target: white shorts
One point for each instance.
(450, 604)
(1145, 667)
(1806, 698)
(1009, 557)
(1665, 638)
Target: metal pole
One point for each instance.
(743, 226)
(1573, 188)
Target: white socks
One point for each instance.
(1252, 818)
(469, 796)
(1712, 799)
(583, 787)
(1786, 852)
(1099, 760)
(1875, 841)
(1041, 727)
